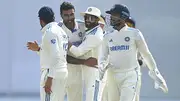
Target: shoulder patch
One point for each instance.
(53, 41)
(60, 24)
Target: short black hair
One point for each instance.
(46, 14)
(66, 6)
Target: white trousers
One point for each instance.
(91, 83)
(124, 86)
(101, 94)
(74, 85)
(58, 86)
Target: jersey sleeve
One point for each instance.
(144, 51)
(51, 41)
(103, 61)
(91, 41)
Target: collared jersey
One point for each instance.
(76, 35)
(53, 48)
(122, 47)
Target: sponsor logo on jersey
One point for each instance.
(119, 48)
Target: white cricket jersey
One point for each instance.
(53, 48)
(122, 47)
(91, 44)
(76, 35)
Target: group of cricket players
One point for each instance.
(91, 56)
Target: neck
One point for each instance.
(119, 27)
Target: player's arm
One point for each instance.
(144, 51)
(73, 60)
(150, 62)
(88, 44)
(103, 60)
(140, 60)
(53, 46)
(33, 46)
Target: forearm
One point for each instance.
(73, 60)
(149, 60)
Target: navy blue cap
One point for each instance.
(46, 13)
(121, 9)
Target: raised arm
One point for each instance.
(91, 41)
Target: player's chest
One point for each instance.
(76, 35)
(121, 42)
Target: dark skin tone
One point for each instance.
(115, 20)
(68, 17)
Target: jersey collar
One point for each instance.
(48, 26)
(92, 29)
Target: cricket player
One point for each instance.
(53, 53)
(75, 29)
(90, 47)
(122, 46)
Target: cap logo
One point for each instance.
(90, 9)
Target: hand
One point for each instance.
(159, 80)
(48, 85)
(33, 46)
(69, 45)
(164, 87)
(91, 62)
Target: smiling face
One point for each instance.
(90, 21)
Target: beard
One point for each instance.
(69, 23)
(90, 25)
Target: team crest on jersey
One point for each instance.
(53, 41)
(127, 39)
